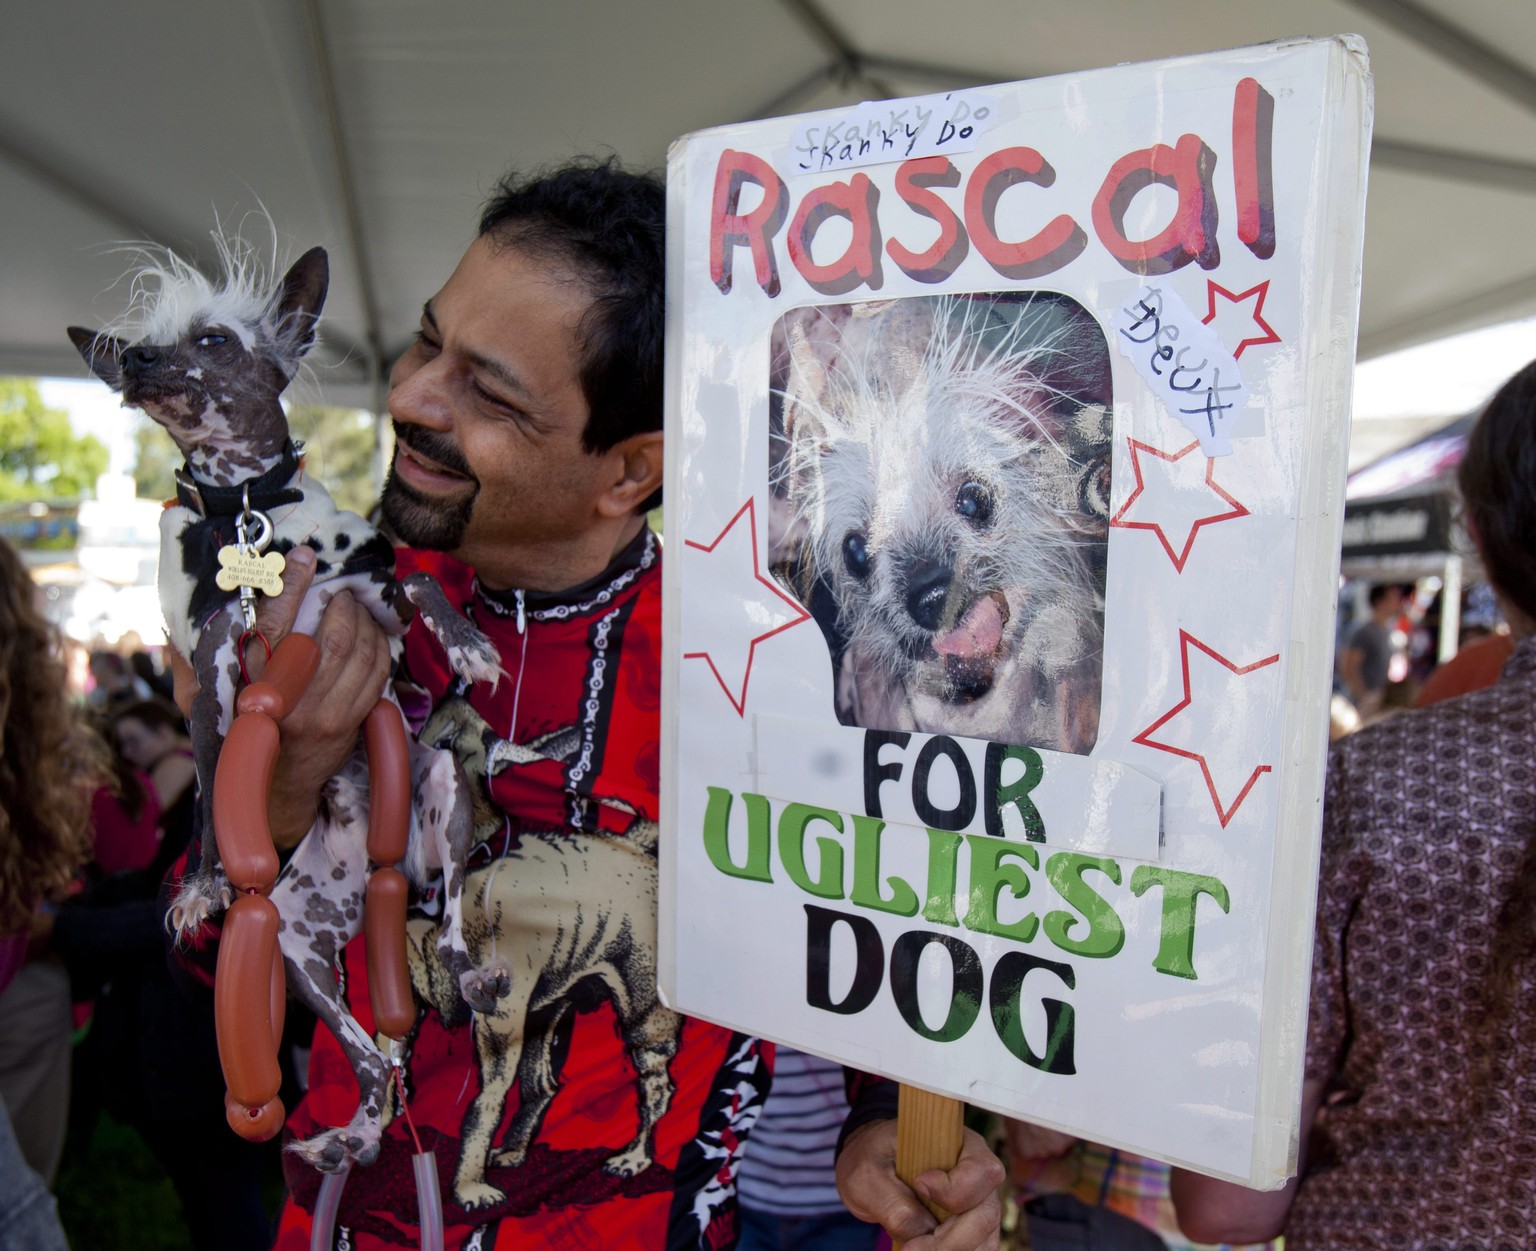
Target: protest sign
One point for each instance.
(1006, 437)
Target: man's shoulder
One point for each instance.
(1469, 734)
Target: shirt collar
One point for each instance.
(639, 555)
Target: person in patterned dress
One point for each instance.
(1420, 1090)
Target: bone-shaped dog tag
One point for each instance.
(239, 568)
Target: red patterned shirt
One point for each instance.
(581, 1113)
(1429, 1140)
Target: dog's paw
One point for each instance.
(628, 1163)
(335, 1150)
(484, 988)
(473, 656)
(187, 915)
(476, 1194)
(198, 899)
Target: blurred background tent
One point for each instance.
(1401, 522)
(376, 127)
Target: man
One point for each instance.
(528, 424)
(1366, 657)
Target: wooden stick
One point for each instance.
(928, 1132)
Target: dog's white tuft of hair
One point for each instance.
(169, 295)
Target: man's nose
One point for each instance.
(419, 395)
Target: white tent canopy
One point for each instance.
(376, 127)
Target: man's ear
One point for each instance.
(102, 353)
(637, 471)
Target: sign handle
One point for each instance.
(928, 1132)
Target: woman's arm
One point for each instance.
(1217, 1211)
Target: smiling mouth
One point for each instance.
(423, 470)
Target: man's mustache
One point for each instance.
(438, 448)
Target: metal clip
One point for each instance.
(251, 547)
(186, 482)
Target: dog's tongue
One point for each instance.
(977, 634)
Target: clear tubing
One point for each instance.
(322, 1231)
(429, 1202)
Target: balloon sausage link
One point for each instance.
(293, 664)
(240, 787)
(277, 997)
(242, 1001)
(260, 1124)
(389, 783)
(254, 1124)
(389, 980)
(248, 949)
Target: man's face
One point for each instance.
(489, 413)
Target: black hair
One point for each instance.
(1497, 477)
(609, 224)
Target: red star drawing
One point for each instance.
(1180, 496)
(1224, 708)
(732, 651)
(1258, 294)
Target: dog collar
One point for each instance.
(268, 491)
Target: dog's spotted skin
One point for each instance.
(214, 385)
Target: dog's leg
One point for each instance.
(651, 1042)
(320, 898)
(472, 656)
(429, 980)
(216, 661)
(537, 1085)
(444, 815)
(498, 1049)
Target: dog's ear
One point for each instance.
(102, 352)
(299, 302)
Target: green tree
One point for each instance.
(338, 451)
(155, 462)
(41, 457)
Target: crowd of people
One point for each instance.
(528, 422)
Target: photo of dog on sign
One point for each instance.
(940, 478)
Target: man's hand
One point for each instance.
(867, 1182)
(320, 731)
